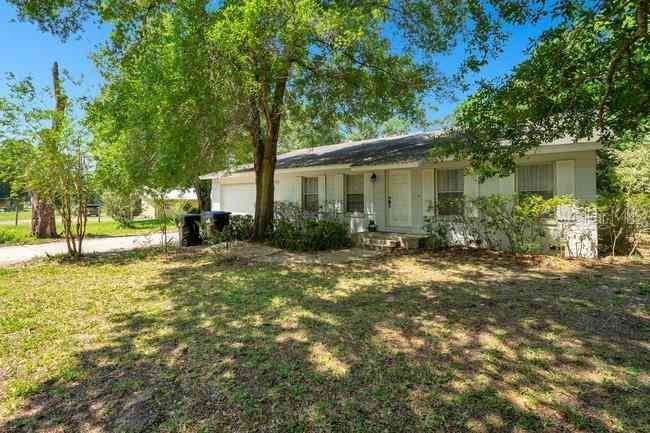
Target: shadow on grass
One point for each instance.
(486, 344)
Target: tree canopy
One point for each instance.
(588, 77)
(160, 120)
(632, 170)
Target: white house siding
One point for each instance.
(287, 188)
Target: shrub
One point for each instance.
(294, 231)
(518, 219)
(497, 221)
(623, 219)
(241, 227)
(286, 211)
(9, 235)
(123, 208)
(219, 242)
(438, 230)
(311, 235)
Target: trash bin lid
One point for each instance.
(188, 216)
(216, 213)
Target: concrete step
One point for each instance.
(387, 240)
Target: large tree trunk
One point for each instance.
(43, 215)
(265, 145)
(264, 186)
(43, 218)
(202, 188)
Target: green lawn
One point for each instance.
(452, 342)
(11, 216)
(10, 234)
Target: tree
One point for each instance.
(299, 133)
(23, 120)
(60, 170)
(586, 77)
(14, 158)
(632, 169)
(44, 152)
(159, 122)
(69, 179)
(337, 60)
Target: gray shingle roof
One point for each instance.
(389, 150)
(377, 151)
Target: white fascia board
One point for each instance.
(387, 166)
(563, 148)
(322, 168)
(316, 168)
(244, 177)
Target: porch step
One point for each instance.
(387, 240)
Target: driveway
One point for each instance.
(24, 253)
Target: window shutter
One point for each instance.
(368, 195)
(322, 191)
(565, 177)
(339, 188)
(427, 192)
(299, 191)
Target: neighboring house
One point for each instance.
(393, 182)
(176, 201)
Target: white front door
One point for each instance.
(399, 198)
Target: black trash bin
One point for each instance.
(215, 221)
(189, 229)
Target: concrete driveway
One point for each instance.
(24, 253)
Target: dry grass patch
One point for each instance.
(452, 342)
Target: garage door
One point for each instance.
(238, 198)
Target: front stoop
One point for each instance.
(387, 240)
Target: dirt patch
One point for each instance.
(247, 252)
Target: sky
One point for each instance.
(24, 50)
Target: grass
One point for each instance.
(11, 216)
(452, 342)
(11, 235)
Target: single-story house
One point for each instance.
(393, 181)
(177, 200)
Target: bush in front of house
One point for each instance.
(241, 227)
(311, 235)
(520, 220)
(516, 223)
(293, 230)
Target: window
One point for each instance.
(536, 180)
(354, 193)
(310, 194)
(451, 185)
